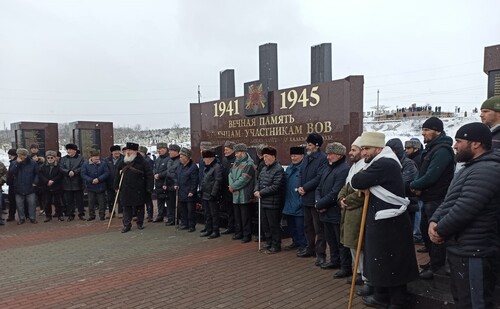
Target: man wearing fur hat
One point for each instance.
(94, 174)
(25, 172)
(351, 201)
(434, 177)
(241, 185)
(172, 165)
(314, 164)
(113, 159)
(466, 220)
(269, 189)
(136, 182)
(186, 185)
(331, 182)
(390, 261)
(293, 210)
(71, 165)
(50, 179)
(227, 164)
(160, 173)
(490, 116)
(211, 189)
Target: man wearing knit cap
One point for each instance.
(112, 161)
(136, 182)
(332, 180)
(71, 165)
(467, 219)
(25, 172)
(269, 189)
(434, 177)
(227, 164)
(351, 202)
(389, 255)
(311, 170)
(241, 185)
(172, 165)
(490, 116)
(160, 173)
(186, 184)
(293, 208)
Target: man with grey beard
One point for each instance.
(133, 182)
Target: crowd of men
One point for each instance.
(411, 193)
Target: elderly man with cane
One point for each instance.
(390, 261)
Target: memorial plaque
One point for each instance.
(88, 136)
(45, 135)
(493, 83)
(333, 109)
(492, 69)
(256, 102)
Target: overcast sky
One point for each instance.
(140, 62)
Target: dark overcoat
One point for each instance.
(332, 180)
(187, 181)
(137, 181)
(389, 250)
(211, 182)
(53, 173)
(74, 164)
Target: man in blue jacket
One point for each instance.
(25, 173)
(94, 174)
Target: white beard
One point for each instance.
(129, 158)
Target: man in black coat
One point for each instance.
(332, 181)
(136, 179)
(310, 175)
(113, 159)
(227, 164)
(269, 188)
(466, 220)
(71, 165)
(172, 165)
(50, 181)
(186, 185)
(211, 189)
(390, 261)
(160, 173)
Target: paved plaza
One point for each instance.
(78, 265)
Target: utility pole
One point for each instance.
(378, 111)
(199, 95)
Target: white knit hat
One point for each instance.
(373, 139)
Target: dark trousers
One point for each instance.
(396, 296)
(12, 204)
(437, 253)
(296, 226)
(272, 231)
(99, 199)
(332, 235)
(229, 208)
(171, 205)
(313, 230)
(52, 198)
(211, 209)
(74, 199)
(149, 205)
(161, 203)
(187, 211)
(472, 281)
(128, 213)
(242, 220)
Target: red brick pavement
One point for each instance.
(76, 264)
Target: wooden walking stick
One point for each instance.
(116, 201)
(259, 225)
(358, 249)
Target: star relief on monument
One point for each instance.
(255, 99)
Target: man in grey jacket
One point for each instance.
(71, 165)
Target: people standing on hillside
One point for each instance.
(241, 186)
(136, 182)
(94, 173)
(435, 175)
(269, 188)
(160, 173)
(490, 116)
(467, 219)
(50, 179)
(389, 261)
(71, 165)
(310, 175)
(293, 209)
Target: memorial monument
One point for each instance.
(88, 135)
(492, 69)
(44, 134)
